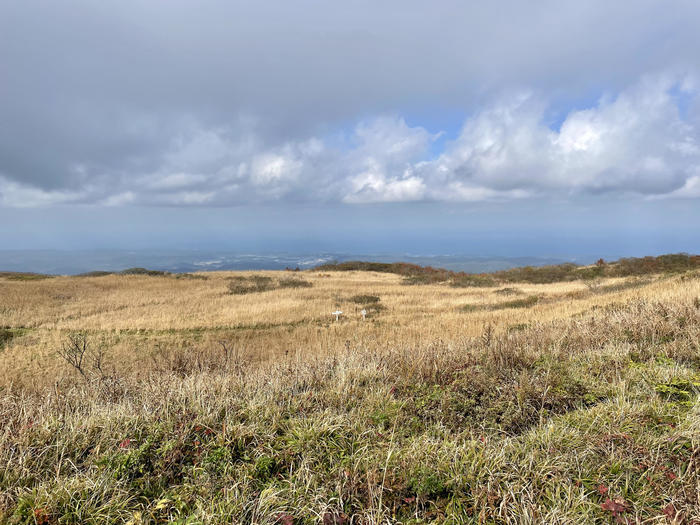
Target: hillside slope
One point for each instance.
(193, 404)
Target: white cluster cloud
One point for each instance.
(19, 195)
(643, 141)
(638, 142)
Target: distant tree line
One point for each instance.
(631, 266)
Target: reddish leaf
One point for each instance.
(623, 521)
(616, 506)
(602, 490)
(330, 518)
(669, 511)
(125, 444)
(671, 476)
(285, 519)
(41, 517)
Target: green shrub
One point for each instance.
(143, 271)
(618, 287)
(464, 280)
(414, 274)
(293, 282)
(191, 276)
(472, 307)
(240, 285)
(24, 276)
(520, 303)
(508, 291)
(670, 263)
(540, 274)
(364, 299)
(683, 390)
(5, 336)
(428, 482)
(515, 303)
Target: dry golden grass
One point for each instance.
(132, 316)
(447, 405)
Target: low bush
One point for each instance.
(293, 282)
(626, 285)
(526, 302)
(241, 285)
(541, 274)
(684, 390)
(191, 276)
(143, 271)
(5, 336)
(95, 273)
(364, 299)
(508, 291)
(520, 303)
(414, 274)
(466, 280)
(24, 276)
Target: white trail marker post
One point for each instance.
(364, 314)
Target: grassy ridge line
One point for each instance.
(23, 276)
(31, 276)
(415, 274)
(626, 267)
(143, 271)
(583, 421)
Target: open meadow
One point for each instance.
(349, 263)
(236, 397)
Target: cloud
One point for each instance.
(102, 99)
(642, 141)
(370, 187)
(689, 190)
(14, 194)
(637, 142)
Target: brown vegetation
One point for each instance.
(149, 399)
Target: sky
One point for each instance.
(548, 128)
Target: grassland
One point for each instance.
(231, 397)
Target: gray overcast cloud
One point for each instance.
(223, 103)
